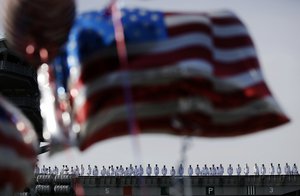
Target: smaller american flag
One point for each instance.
(189, 73)
(18, 148)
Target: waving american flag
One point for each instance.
(189, 74)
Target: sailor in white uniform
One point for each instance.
(49, 170)
(112, 170)
(246, 170)
(55, 170)
(295, 169)
(131, 170)
(180, 170)
(210, 171)
(103, 171)
(62, 171)
(221, 170)
(238, 170)
(263, 170)
(126, 172)
(149, 170)
(205, 170)
(218, 172)
(117, 171)
(95, 171)
(121, 170)
(136, 171)
(213, 170)
(156, 170)
(164, 170)
(77, 170)
(172, 171)
(72, 170)
(229, 170)
(256, 170)
(287, 169)
(37, 169)
(81, 170)
(190, 170)
(278, 169)
(66, 169)
(108, 171)
(141, 172)
(197, 170)
(89, 172)
(44, 170)
(272, 169)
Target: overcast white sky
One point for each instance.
(275, 29)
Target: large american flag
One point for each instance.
(189, 74)
(18, 148)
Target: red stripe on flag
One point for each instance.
(233, 42)
(226, 20)
(238, 67)
(189, 28)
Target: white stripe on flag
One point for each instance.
(178, 20)
(232, 55)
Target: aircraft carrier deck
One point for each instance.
(164, 185)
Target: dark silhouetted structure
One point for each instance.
(18, 83)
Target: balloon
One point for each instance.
(18, 149)
(37, 29)
(184, 76)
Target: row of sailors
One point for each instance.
(139, 171)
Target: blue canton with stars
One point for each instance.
(93, 31)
